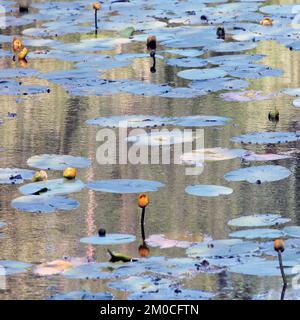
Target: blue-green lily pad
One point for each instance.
(44, 203)
(258, 220)
(268, 137)
(187, 62)
(258, 174)
(172, 294)
(125, 185)
(13, 267)
(54, 187)
(257, 234)
(82, 295)
(15, 176)
(201, 121)
(90, 270)
(222, 249)
(208, 190)
(109, 239)
(292, 231)
(232, 46)
(57, 162)
(202, 74)
(267, 268)
(132, 121)
(140, 284)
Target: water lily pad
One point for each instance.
(222, 249)
(132, 121)
(232, 46)
(295, 92)
(292, 231)
(140, 284)
(57, 162)
(211, 154)
(109, 239)
(208, 190)
(207, 86)
(201, 121)
(13, 267)
(53, 187)
(91, 270)
(268, 173)
(44, 203)
(160, 240)
(58, 266)
(296, 103)
(202, 74)
(268, 137)
(258, 220)
(190, 53)
(257, 234)
(187, 62)
(172, 294)
(2, 224)
(252, 71)
(246, 96)
(15, 176)
(17, 72)
(252, 156)
(160, 138)
(82, 295)
(267, 268)
(125, 185)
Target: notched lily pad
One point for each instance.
(13, 267)
(125, 185)
(222, 249)
(261, 233)
(258, 220)
(44, 203)
(268, 137)
(15, 176)
(109, 239)
(208, 190)
(82, 295)
(57, 162)
(52, 187)
(259, 174)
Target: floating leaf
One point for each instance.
(2, 224)
(259, 174)
(172, 294)
(211, 154)
(222, 249)
(201, 121)
(44, 203)
(268, 137)
(246, 96)
(257, 234)
(13, 267)
(251, 156)
(109, 239)
(91, 270)
(15, 176)
(82, 295)
(208, 190)
(140, 284)
(292, 231)
(53, 187)
(202, 74)
(57, 162)
(160, 240)
(134, 121)
(267, 268)
(258, 220)
(125, 185)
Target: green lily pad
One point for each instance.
(203, 190)
(258, 220)
(57, 162)
(109, 239)
(258, 234)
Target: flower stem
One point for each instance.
(143, 223)
(282, 269)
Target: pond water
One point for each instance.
(54, 121)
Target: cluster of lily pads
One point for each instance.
(186, 30)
